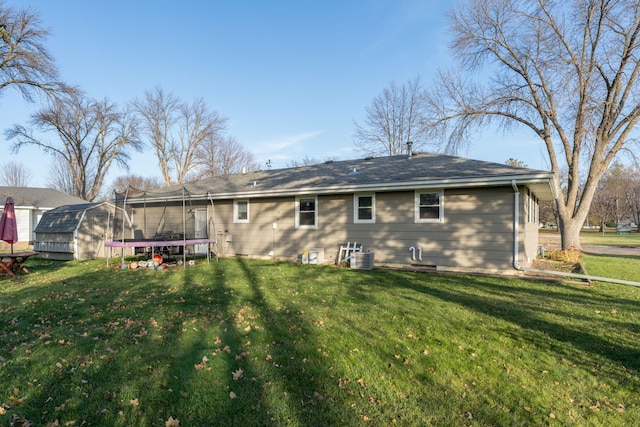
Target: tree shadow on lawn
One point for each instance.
(93, 349)
(526, 308)
(83, 353)
(299, 370)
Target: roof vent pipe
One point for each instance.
(409, 149)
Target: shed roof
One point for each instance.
(401, 172)
(42, 198)
(64, 219)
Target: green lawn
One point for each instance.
(260, 343)
(613, 266)
(610, 238)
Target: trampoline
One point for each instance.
(160, 241)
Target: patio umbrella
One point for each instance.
(8, 228)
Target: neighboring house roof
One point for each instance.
(64, 219)
(401, 172)
(41, 198)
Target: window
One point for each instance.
(240, 211)
(532, 211)
(364, 208)
(429, 206)
(307, 212)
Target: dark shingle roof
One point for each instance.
(368, 174)
(42, 198)
(63, 219)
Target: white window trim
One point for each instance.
(356, 207)
(315, 218)
(416, 206)
(236, 220)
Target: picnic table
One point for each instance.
(11, 263)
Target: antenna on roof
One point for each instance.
(268, 164)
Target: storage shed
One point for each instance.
(30, 204)
(74, 232)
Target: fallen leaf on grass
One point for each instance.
(18, 401)
(237, 374)
(232, 395)
(172, 422)
(134, 402)
(552, 416)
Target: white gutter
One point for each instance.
(516, 252)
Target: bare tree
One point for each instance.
(634, 197)
(24, 60)
(177, 130)
(308, 161)
(138, 182)
(60, 176)
(223, 155)
(567, 71)
(14, 174)
(159, 115)
(92, 136)
(515, 162)
(395, 117)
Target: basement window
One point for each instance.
(429, 206)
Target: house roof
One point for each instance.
(41, 198)
(424, 170)
(64, 219)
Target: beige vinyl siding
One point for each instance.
(476, 231)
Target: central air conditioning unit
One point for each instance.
(362, 260)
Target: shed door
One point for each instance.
(200, 227)
(98, 235)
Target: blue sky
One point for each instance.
(290, 76)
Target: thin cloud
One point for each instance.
(284, 143)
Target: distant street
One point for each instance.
(552, 241)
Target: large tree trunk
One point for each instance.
(570, 232)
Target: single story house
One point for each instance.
(74, 232)
(425, 210)
(30, 204)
